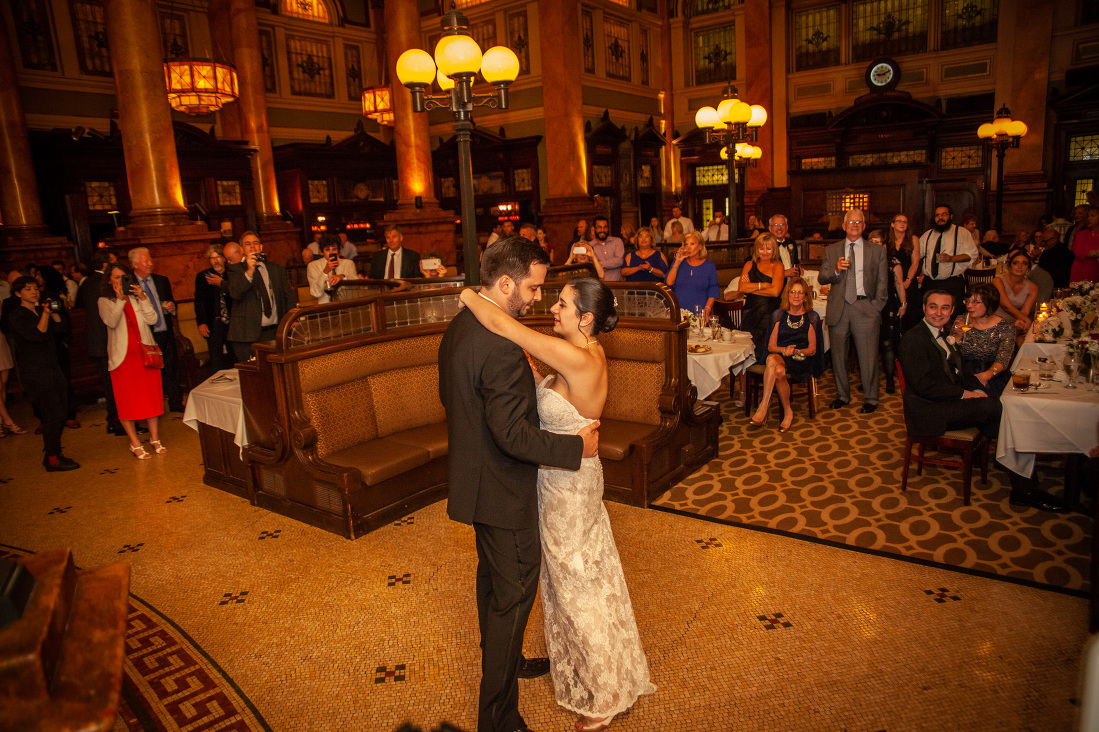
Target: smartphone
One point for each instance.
(333, 258)
(431, 264)
(579, 250)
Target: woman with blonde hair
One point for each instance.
(760, 284)
(647, 264)
(692, 277)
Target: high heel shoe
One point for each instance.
(139, 452)
(157, 447)
(13, 429)
(785, 425)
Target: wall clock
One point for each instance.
(883, 74)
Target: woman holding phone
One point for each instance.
(581, 253)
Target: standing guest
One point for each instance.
(78, 273)
(314, 246)
(307, 256)
(793, 350)
(609, 250)
(969, 223)
(137, 387)
(647, 264)
(70, 284)
(329, 270)
(581, 253)
(717, 229)
(786, 249)
(1015, 293)
(7, 363)
(35, 332)
(693, 278)
(987, 341)
(629, 235)
(159, 290)
(891, 315)
(582, 233)
(440, 271)
(859, 271)
(658, 233)
(760, 284)
(902, 245)
(946, 251)
(685, 223)
(5, 286)
(542, 238)
(1079, 223)
(676, 239)
(95, 334)
(835, 227)
(212, 309)
(395, 262)
(1055, 257)
(754, 228)
(506, 229)
(1085, 247)
(233, 252)
(52, 287)
(260, 291)
(528, 231)
(347, 249)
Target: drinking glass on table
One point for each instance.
(1020, 380)
(1071, 365)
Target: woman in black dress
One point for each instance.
(896, 305)
(760, 283)
(792, 350)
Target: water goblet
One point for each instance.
(1071, 365)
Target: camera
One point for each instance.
(54, 305)
(261, 256)
(127, 282)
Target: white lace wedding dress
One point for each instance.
(596, 660)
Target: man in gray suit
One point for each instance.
(856, 270)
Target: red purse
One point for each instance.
(152, 357)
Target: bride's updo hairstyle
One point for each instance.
(592, 296)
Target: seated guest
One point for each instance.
(36, 331)
(1085, 249)
(581, 252)
(658, 233)
(395, 261)
(629, 235)
(325, 273)
(989, 342)
(760, 284)
(212, 309)
(348, 250)
(675, 238)
(754, 228)
(991, 247)
(1054, 256)
(1016, 294)
(792, 350)
(307, 255)
(542, 238)
(129, 317)
(693, 278)
(646, 264)
(440, 271)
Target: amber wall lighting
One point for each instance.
(197, 86)
(1001, 133)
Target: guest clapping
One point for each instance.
(646, 264)
(692, 277)
(137, 387)
(985, 340)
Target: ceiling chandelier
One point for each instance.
(199, 86)
(378, 104)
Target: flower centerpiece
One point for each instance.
(1080, 310)
(1049, 330)
(1087, 351)
(693, 321)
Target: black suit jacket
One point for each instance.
(1057, 260)
(932, 387)
(247, 312)
(164, 292)
(208, 297)
(486, 386)
(95, 332)
(410, 264)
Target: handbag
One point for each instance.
(151, 356)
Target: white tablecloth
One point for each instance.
(705, 370)
(1051, 419)
(217, 402)
(1032, 348)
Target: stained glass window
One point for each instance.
(484, 33)
(643, 41)
(892, 157)
(969, 22)
(840, 202)
(711, 175)
(519, 39)
(888, 28)
(318, 191)
(353, 69)
(817, 38)
(715, 55)
(522, 179)
(962, 157)
(588, 29)
(701, 7)
(1083, 187)
(90, 26)
(173, 32)
(821, 163)
(1083, 147)
(468, 3)
(101, 195)
(229, 193)
(267, 57)
(305, 9)
(32, 25)
(616, 43)
(310, 67)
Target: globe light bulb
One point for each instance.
(415, 67)
(499, 64)
(458, 55)
(707, 117)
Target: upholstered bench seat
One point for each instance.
(380, 459)
(617, 437)
(430, 437)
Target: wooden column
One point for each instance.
(144, 117)
(567, 196)
(425, 226)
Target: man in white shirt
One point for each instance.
(718, 230)
(347, 249)
(787, 249)
(946, 251)
(325, 273)
(506, 229)
(677, 215)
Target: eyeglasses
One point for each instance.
(900, 221)
(853, 221)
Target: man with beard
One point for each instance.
(609, 250)
(946, 251)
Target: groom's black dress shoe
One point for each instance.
(532, 668)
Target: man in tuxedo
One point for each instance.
(159, 290)
(261, 295)
(394, 262)
(856, 269)
(786, 249)
(95, 333)
(486, 386)
(212, 309)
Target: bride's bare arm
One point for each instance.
(561, 355)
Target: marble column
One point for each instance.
(425, 226)
(144, 116)
(567, 196)
(757, 90)
(669, 169)
(229, 115)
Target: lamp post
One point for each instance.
(733, 124)
(1001, 133)
(457, 60)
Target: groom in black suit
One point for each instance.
(487, 388)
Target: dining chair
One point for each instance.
(753, 390)
(729, 313)
(978, 277)
(967, 442)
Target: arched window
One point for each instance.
(305, 9)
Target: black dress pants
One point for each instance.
(108, 388)
(216, 346)
(507, 582)
(48, 395)
(169, 375)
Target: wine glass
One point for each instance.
(1071, 365)
(714, 325)
(698, 319)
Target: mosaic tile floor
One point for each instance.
(744, 630)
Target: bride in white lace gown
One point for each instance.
(596, 660)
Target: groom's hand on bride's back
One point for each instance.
(591, 439)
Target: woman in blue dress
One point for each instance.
(646, 264)
(693, 278)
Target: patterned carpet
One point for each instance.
(169, 683)
(836, 480)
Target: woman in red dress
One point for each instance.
(137, 389)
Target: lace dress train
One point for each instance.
(597, 663)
